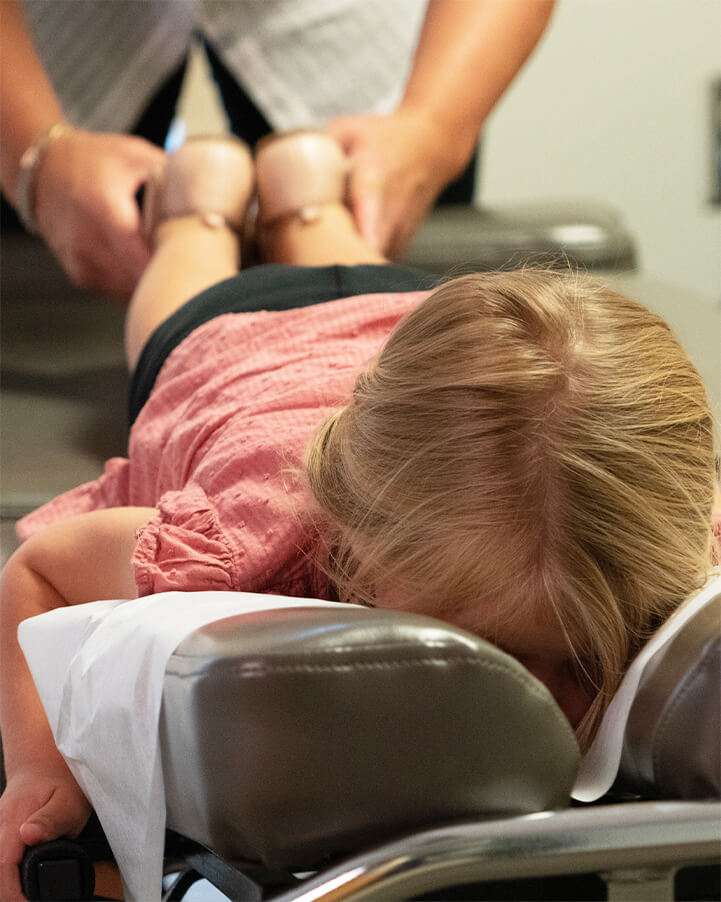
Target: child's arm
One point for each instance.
(82, 559)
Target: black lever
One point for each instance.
(57, 870)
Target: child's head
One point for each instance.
(531, 458)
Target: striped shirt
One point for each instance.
(302, 62)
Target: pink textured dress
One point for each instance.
(215, 446)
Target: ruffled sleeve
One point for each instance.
(185, 547)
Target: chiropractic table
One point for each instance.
(316, 751)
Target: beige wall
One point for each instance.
(615, 105)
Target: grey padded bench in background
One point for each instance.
(465, 238)
(63, 390)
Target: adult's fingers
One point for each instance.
(367, 204)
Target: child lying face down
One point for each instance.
(528, 455)
(531, 458)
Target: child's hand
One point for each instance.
(38, 804)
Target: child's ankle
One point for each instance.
(204, 226)
(317, 236)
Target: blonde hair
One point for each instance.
(534, 438)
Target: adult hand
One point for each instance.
(401, 162)
(38, 804)
(86, 209)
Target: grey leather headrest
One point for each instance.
(673, 735)
(297, 734)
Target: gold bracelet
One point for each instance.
(29, 162)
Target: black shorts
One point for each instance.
(272, 286)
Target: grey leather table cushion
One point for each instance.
(672, 743)
(294, 735)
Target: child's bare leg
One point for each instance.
(189, 257)
(193, 207)
(331, 238)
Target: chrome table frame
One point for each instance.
(636, 847)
